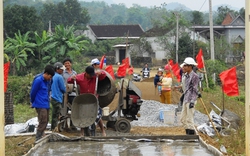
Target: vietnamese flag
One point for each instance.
(176, 71)
(171, 62)
(110, 70)
(102, 61)
(200, 59)
(121, 72)
(229, 82)
(6, 73)
(126, 62)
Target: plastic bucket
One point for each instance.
(84, 110)
(169, 117)
(106, 90)
(106, 111)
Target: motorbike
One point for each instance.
(136, 77)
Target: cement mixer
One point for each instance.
(83, 110)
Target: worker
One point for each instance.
(40, 100)
(68, 72)
(166, 85)
(96, 64)
(87, 82)
(190, 96)
(57, 90)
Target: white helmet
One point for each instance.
(190, 61)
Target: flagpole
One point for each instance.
(223, 100)
(205, 71)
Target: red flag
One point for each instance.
(102, 61)
(229, 82)
(176, 71)
(130, 71)
(126, 62)
(6, 73)
(171, 62)
(121, 72)
(110, 70)
(200, 59)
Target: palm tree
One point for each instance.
(18, 49)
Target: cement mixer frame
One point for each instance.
(125, 114)
(128, 105)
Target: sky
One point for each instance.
(192, 4)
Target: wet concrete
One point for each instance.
(122, 148)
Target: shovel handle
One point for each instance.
(209, 117)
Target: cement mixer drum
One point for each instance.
(106, 90)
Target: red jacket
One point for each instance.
(87, 85)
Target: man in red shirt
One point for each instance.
(87, 81)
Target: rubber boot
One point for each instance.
(39, 135)
(187, 131)
(92, 129)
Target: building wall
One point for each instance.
(88, 33)
(232, 34)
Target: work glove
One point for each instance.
(199, 95)
(191, 105)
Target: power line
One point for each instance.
(202, 5)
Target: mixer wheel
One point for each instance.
(123, 125)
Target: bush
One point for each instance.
(20, 87)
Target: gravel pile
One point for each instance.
(150, 115)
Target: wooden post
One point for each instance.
(247, 75)
(2, 119)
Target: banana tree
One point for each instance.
(18, 49)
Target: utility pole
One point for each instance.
(247, 74)
(2, 118)
(211, 30)
(177, 35)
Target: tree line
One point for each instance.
(29, 45)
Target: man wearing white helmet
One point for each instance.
(190, 95)
(96, 64)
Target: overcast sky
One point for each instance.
(192, 4)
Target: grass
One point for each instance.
(23, 112)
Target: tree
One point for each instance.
(67, 14)
(21, 18)
(18, 49)
(197, 18)
(242, 12)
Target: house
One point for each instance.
(110, 32)
(232, 28)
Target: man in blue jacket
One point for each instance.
(39, 97)
(57, 90)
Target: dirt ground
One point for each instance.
(20, 145)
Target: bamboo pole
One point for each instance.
(209, 117)
(205, 71)
(2, 119)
